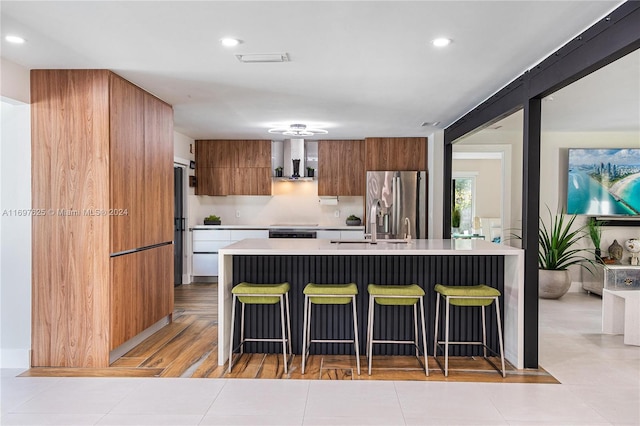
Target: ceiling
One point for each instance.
(356, 69)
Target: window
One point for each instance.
(464, 192)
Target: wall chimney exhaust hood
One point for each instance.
(283, 154)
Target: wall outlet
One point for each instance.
(336, 213)
(237, 213)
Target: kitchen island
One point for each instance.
(422, 262)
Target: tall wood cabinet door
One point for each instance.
(141, 292)
(329, 170)
(352, 170)
(158, 172)
(126, 164)
(70, 171)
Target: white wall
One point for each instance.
(15, 231)
(14, 82)
(435, 156)
(509, 145)
(15, 236)
(489, 175)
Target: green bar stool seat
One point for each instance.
(397, 295)
(328, 294)
(261, 294)
(475, 295)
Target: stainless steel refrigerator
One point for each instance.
(403, 201)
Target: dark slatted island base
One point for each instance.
(422, 262)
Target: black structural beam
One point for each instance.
(604, 42)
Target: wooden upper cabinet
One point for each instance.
(404, 154)
(341, 167)
(253, 153)
(252, 181)
(233, 167)
(214, 180)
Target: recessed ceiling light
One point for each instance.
(441, 42)
(14, 39)
(230, 42)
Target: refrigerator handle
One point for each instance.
(397, 196)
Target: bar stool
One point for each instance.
(397, 295)
(261, 294)
(328, 294)
(475, 295)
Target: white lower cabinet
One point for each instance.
(207, 242)
(205, 264)
(328, 234)
(356, 234)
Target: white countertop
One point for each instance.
(298, 246)
(318, 227)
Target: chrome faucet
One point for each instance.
(373, 220)
(407, 223)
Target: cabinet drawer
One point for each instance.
(211, 234)
(331, 235)
(209, 246)
(241, 234)
(205, 264)
(352, 235)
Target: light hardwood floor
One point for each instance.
(188, 348)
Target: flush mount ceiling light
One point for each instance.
(298, 130)
(441, 42)
(430, 123)
(263, 57)
(14, 39)
(230, 42)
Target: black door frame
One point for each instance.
(606, 41)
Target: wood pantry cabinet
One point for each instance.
(341, 170)
(233, 167)
(403, 154)
(102, 170)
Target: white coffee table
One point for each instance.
(621, 314)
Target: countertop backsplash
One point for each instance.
(292, 203)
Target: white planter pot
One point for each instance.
(553, 284)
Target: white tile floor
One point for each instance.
(600, 386)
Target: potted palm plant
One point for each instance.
(556, 252)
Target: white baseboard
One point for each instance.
(14, 358)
